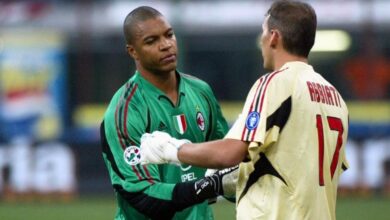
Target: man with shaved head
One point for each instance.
(159, 98)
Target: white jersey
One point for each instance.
(297, 124)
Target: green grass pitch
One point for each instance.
(103, 208)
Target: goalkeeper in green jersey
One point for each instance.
(159, 98)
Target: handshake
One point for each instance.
(160, 148)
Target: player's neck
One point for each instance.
(165, 81)
(283, 58)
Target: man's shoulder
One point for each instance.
(191, 78)
(127, 95)
(194, 81)
(274, 78)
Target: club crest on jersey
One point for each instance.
(252, 120)
(200, 121)
(132, 155)
(180, 123)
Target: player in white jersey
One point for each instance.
(290, 137)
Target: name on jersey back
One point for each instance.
(323, 94)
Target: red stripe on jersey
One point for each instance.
(262, 97)
(150, 179)
(266, 86)
(250, 109)
(126, 107)
(136, 172)
(120, 138)
(117, 128)
(183, 122)
(320, 150)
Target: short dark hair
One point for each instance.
(141, 13)
(297, 22)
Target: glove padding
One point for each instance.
(159, 148)
(225, 180)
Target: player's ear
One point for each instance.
(131, 51)
(275, 38)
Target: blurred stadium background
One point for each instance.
(61, 61)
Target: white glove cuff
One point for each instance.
(177, 144)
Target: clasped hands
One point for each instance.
(159, 148)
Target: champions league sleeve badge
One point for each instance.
(252, 120)
(132, 155)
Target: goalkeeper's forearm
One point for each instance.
(221, 182)
(184, 195)
(190, 193)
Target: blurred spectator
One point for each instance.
(368, 73)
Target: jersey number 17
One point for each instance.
(335, 124)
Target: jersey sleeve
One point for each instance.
(239, 127)
(124, 132)
(266, 110)
(139, 185)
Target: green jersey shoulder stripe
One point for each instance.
(122, 133)
(130, 89)
(126, 108)
(118, 121)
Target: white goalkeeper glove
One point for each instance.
(159, 148)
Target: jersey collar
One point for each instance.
(150, 89)
(299, 64)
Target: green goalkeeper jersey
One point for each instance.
(139, 107)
